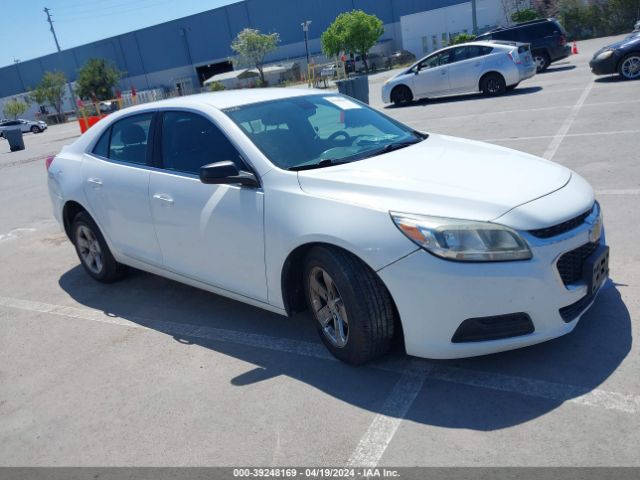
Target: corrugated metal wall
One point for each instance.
(205, 38)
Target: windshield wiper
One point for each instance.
(391, 147)
(327, 162)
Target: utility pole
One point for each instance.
(474, 17)
(55, 38)
(305, 29)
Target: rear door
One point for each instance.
(465, 67)
(116, 184)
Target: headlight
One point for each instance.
(463, 240)
(604, 55)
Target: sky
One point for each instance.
(24, 31)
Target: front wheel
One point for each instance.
(351, 306)
(35, 129)
(93, 252)
(629, 68)
(401, 95)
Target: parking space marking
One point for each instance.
(16, 233)
(627, 403)
(618, 191)
(566, 125)
(568, 135)
(376, 439)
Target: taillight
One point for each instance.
(516, 59)
(49, 161)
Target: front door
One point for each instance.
(210, 233)
(432, 76)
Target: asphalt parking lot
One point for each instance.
(149, 372)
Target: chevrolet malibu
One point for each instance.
(292, 199)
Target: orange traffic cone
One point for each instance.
(574, 49)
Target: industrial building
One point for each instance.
(181, 54)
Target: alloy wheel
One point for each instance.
(630, 67)
(89, 249)
(328, 307)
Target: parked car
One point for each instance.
(375, 61)
(621, 57)
(547, 37)
(288, 199)
(25, 125)
(401, 57)
(329, 71)
(487, 67)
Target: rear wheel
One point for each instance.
(401, 95)
(492, 84)
(629, 68)
(351, 306)
(542, 61)
(93, 252)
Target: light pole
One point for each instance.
(305, 29)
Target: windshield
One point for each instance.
(319, 130)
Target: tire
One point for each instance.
(401, 95)
(512, 87)
(35, 129)
(492, 84)
(93, 252)
(355, 314)
(542, 61)
(629, 67)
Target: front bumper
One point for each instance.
(604, 67)
(434, 296)
(386, 92)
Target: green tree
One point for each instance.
(14, 108)
(252, 47)
(51, 91)
(524, 15)
(96, 79)
(462, 38)
(355, 32)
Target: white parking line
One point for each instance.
(618, 191)
(15, 233)
(566, 125)
(376, 439)
(415, 367)
(585, 134)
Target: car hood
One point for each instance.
(441, 176)
(633, 39)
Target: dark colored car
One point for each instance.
(401, 57)
(622, 57)
(547, 38)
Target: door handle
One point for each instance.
(95, 182)
(443, 72)
(163, 197)
(476, 64)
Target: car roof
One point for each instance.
(230, 98)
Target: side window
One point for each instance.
(190, 141)
(102, 147)
(458, 54)
(478, 51)
(129, 138)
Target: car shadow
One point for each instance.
(465, 98)
(578, 362)
(553, 69)
(614, 78)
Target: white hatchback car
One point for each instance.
(487, 67)
(287, 199)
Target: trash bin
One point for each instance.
(356, 87)
(14, 137)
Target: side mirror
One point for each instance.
(226, 173)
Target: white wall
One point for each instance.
(418, 30)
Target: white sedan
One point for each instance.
(291, 199)
(490, 67)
